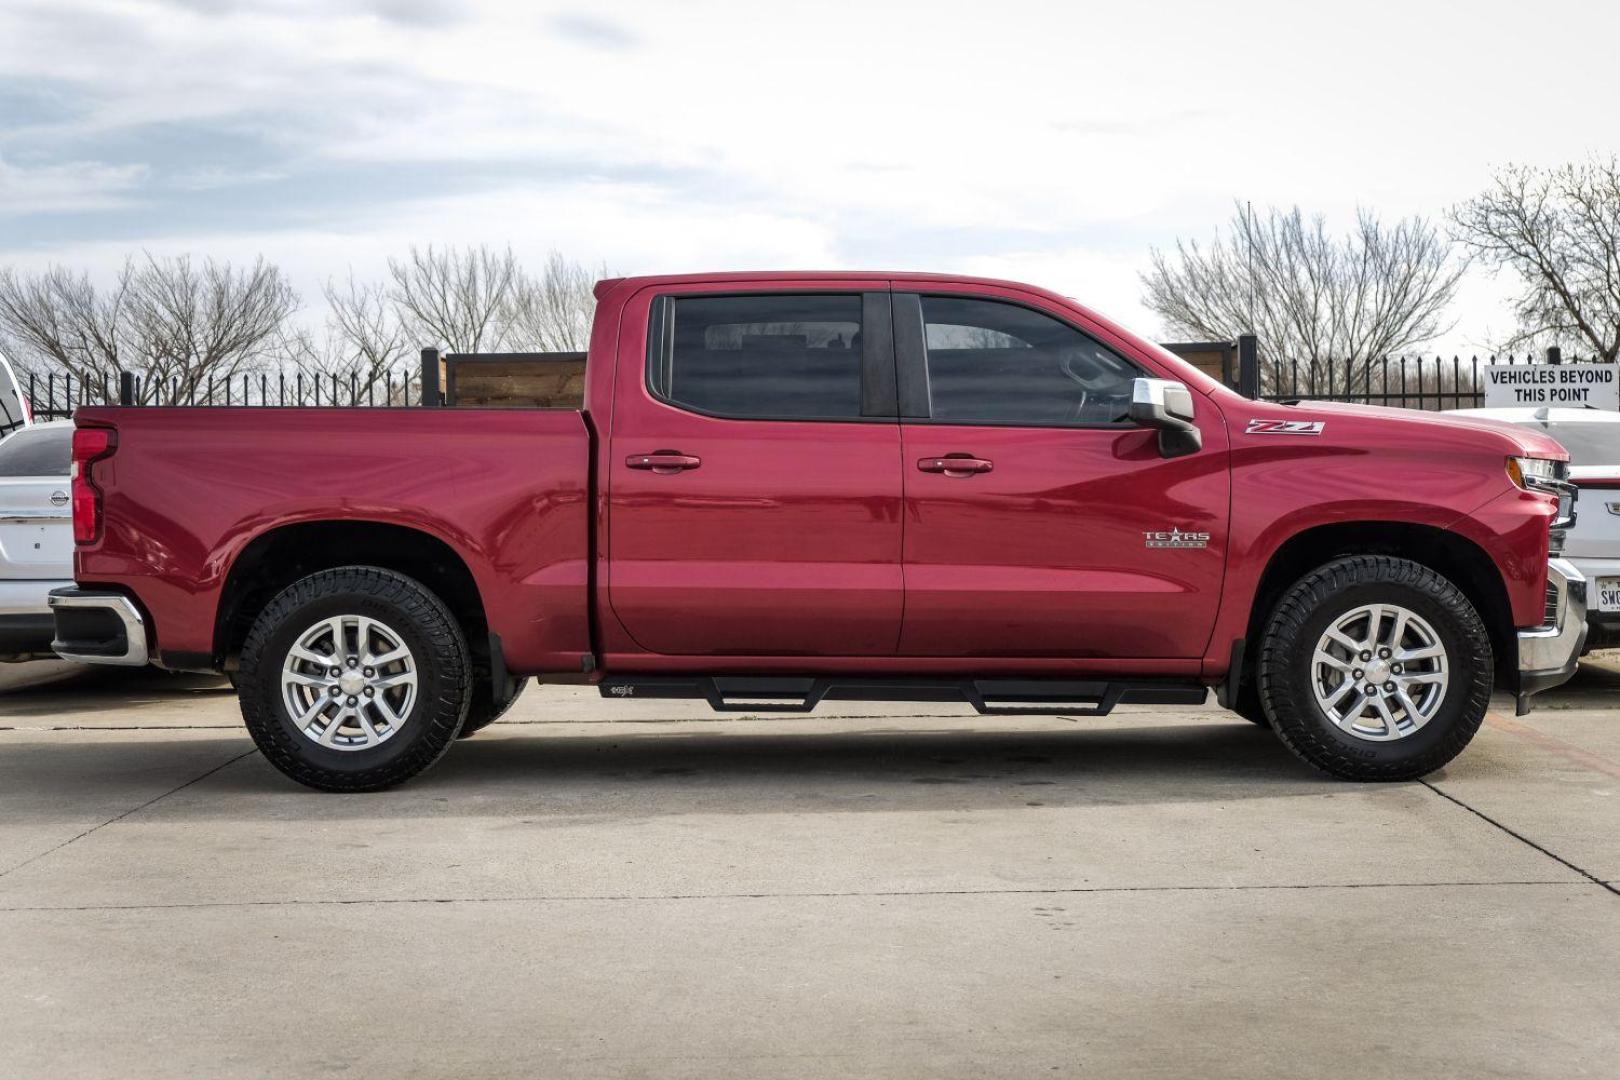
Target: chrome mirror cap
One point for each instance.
(1167, 406)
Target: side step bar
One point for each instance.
(991, 697)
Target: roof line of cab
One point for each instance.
(766, 276)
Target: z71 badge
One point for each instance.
(1284, 427)
(1175, 538)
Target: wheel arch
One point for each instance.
(1448, 553)
(277, 557)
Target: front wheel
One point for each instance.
(1375, 668)
(354, 679)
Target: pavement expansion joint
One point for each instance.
(835, 895)
(132, 810)
(1521, 838)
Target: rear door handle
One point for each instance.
(663, 461)
(959, 465)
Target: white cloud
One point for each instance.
(73, 186)
(1054, 142)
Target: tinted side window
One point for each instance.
(760, 357)
(37, 452)
(996, 363)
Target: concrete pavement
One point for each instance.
(645, 889)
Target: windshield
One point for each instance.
(1588, 444)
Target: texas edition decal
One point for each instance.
(1175, 538)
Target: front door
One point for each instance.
(1039, 521)
(754, 468)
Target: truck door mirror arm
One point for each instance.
(1166, 406)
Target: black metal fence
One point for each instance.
(1421, 382)
(54, 396)
(1404, 382)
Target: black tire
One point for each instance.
(485, 710)
(424, 624)
(1305, 612)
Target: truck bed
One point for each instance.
(189, 489)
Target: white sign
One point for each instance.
(1572, 386)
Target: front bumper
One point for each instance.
(98, 628)
(1605, 624)
(1549, 653)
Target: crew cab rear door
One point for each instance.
(1039, 521)
(753, 471)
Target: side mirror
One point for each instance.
(1168, 407)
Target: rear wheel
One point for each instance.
(1375, 668)
(354, 679)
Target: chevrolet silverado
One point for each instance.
(784, 488)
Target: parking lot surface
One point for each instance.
(643, 889)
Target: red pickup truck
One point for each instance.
(790, 487)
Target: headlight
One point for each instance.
(1532, 473)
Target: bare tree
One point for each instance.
(552, 312)
(360, 317)
(59, 321)
(459, 301)
(481, 300)
(362, 346)
(175, 324)
(1326, 304)
(1559, 229)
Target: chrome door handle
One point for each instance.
(957, 465)
(664, 462)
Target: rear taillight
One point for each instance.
(90, 445)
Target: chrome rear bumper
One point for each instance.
(98, 628)
(1549, 653)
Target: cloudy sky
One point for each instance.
(1051, 142)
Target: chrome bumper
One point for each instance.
(98, 628)
(1549, 654)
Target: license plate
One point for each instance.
(1608, 594)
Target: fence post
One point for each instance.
(1554, 356)
(126, 388)
(430, 376)
(1248, 346)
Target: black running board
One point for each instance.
(991, 697)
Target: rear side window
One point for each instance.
(759, 357)
(997, 363)
(37, 452)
